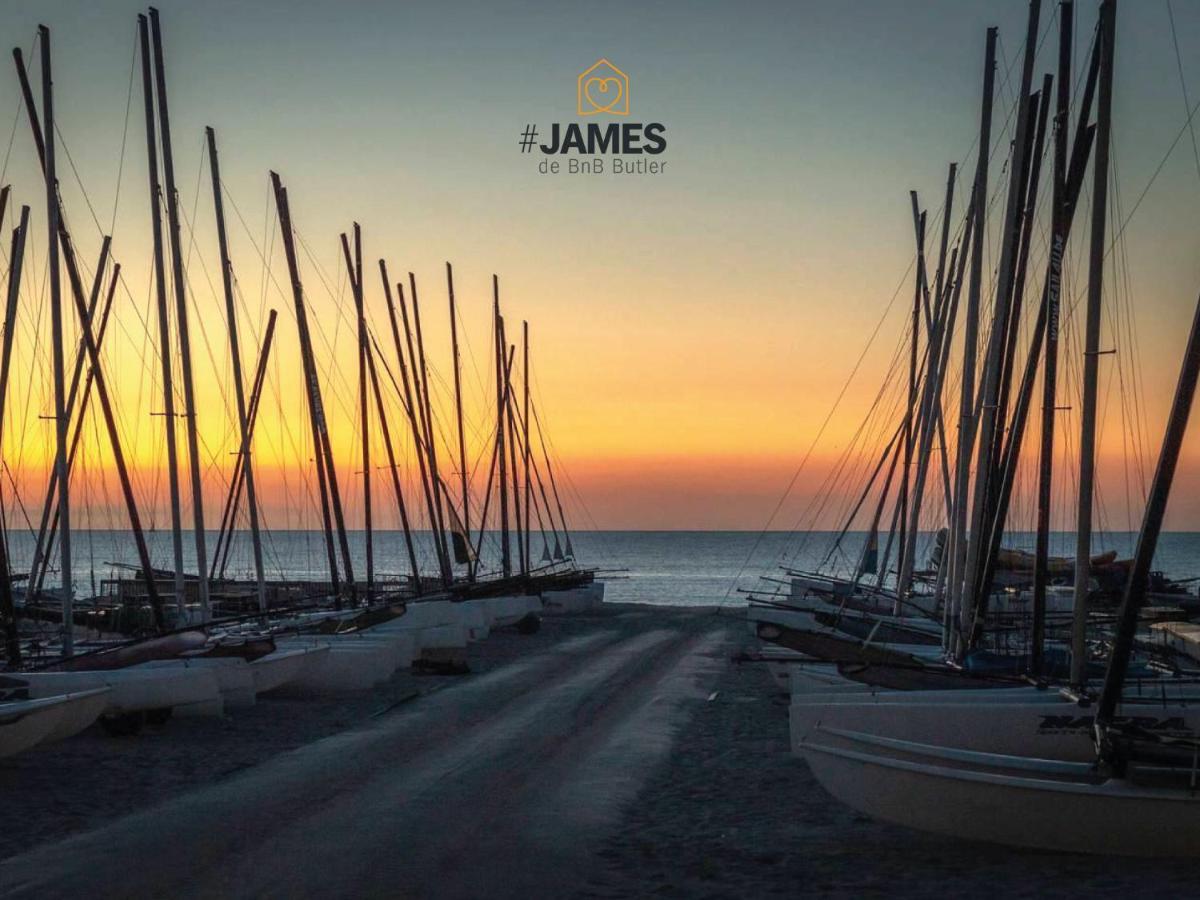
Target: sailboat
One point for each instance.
(1136, 796)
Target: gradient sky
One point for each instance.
(690, 330)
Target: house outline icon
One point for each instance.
(593, 86)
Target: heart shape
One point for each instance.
(610, 92)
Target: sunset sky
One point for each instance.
(690, 330)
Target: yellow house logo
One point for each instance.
(603, 88)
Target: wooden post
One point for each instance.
(235, 354)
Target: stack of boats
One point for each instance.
(213, 672)
(161, 641)
(962, 699)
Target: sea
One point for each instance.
(677, 568)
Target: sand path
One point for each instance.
(500, 785)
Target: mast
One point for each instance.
(164, 327)
(568, 550)
(464, 477)
(1156, 506)
(326, 476)
(957, 545)
(354, 270)
(501, 403)
(235, 487)
(525, 440)
(48, 527)
(414, 419)
(1087, 439)
(511, 441)
(89, 342)
(181, 315)
(421, 381)
(16, 256)
(393, 468)
(902, 500)
(1050, 371)
(931, 401)
(56, 332)
(235, 354)
(989, 396)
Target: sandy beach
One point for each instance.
(618, 754)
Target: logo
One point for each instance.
(598, 147)
(602, 88)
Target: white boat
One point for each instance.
(235, 681)
(133, 689)
(574, 600)
(283, 666)
(510, 610)
(1010, 721)
(27, 723)
(348, 666)
(1016, 800)
(475, 619)
(433, 625)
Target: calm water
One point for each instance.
(669, 567)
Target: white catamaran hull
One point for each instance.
(1017, 721)
(133, 689)
(283, 666)
(27, 723)
(1017, 801)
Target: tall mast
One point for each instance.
(501, 403)
(326, 476)
(165, 354)
(910, 412)
(525, 426)
(181, 316)
(931, 402)
(966, 431)
(1050, 371)
(421, 380)
(56, 334)
(235, 354)
(990, 393)
(1156, 507)
(414, 417)
(1087, 439)
(511, 441)
(235, 488)
(458, 409)
(354, 269)
(393, 469)
(16, 256)
(88, 339)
